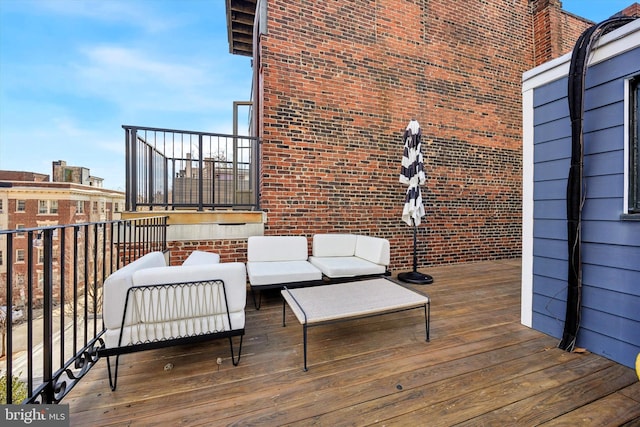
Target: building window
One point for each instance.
(634, 147)
(20, 255)
(79, 207)
(19, 227)
(1, 259)
(20, 205)
(94, 207)
(40, 256)
(47, 207)
(1, 206)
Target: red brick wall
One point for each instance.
(571, 27)
(229, 250)
(632, 10)
(341, 80)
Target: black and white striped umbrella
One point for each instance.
(412, 174)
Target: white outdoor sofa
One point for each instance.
(147, 304)
(277, 261)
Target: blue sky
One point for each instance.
(72, 72)
(595, 10)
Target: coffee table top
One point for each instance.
(326, 303)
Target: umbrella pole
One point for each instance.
(415, 276)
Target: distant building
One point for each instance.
(30, 200)
(74, 174)
(218, 175)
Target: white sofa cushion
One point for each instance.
(117, 284)
(276, 272)
(201, 257)
(277, 248)
(346, 266)
(373, 249)
(145, 332)
(334, 245)
(350, 255)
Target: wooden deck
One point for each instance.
(481, 368)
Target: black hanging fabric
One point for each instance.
(575, 184)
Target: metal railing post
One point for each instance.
(47, 326)
(9, 324)
(200, 175)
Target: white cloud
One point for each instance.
(120, 63)
(137, 80)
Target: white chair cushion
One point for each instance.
(342, 266)
(277, 248)
(273, 273)
(334, 245)
(373, 249)
(201, 257)
(159, 331)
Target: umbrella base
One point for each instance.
(415, 278)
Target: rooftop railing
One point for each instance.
(51, 300)
(176, 169)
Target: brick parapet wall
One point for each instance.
(632, 10)
(555, 31)
(230, 250)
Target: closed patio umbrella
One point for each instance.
(412, 174)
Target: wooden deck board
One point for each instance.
(481, 367)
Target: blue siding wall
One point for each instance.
(610, 323)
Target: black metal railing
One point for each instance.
(173, 169)
(51, 298)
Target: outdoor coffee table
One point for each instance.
(319, 305)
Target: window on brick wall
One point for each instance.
(1, 258)
(20, 255)
(1, 206)
(47, 206)
(79, 207)
(19, 227)
(20, 205)
(634, 146)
